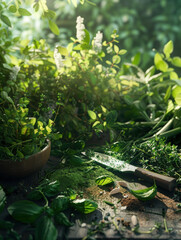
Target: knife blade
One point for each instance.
(165, 182)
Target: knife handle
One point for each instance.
(165, 182)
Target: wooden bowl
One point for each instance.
(17, 169)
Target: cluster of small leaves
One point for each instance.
(45, 219)
(157, 155)
(14, 7)
(75, 2)
(161, 60)
(21, 135)
(113, 49)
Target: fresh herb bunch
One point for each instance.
(158, 155)
(21, 135)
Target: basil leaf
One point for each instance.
(49, 211)
(62, 219)
(2, 199)
(145, 194)
(25, 211)
(34, 195)
(60, 203)
(6, 224)
(76, 160)
(84, 205)
(45, 229)
(104, 180)
(51, 189)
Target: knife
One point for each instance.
(165, 182)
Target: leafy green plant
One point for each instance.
(159, 156)
(21, 135)
(47, 217)
(15, 7)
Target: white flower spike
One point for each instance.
(80, 28)
(58, 59)
(97, 45)
(14, 73)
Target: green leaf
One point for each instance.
(87, 37)
(24, 12)
(96, 123)
(6, 20)
(25, 211)
(168, 49)
(77, 145)
(49, 14)
(116, 59)
(176, 93)
(2, 199)
(145, 194)
(51, 189)
(5, 96)
(45, 229)
(76, 160)
(104, 180)
(92, 114)
(12, 8)
(32, 121)
(160, 63)
(170, 106)
(103, 109)
(60, 203)
(136, 59)
(108, 62)
(116, 49)
(36, 6)
(173, 76)
(63, 51)
(62, 219)
(111, 117)
(34, 195)
(176, 61)
(74, 3)
(43, 5)
(122, 51)
(53, 27)
(8, 152)
(84, 205)
(6, 225)
(19, 154)
(167, 94)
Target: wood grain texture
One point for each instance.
(165, 182)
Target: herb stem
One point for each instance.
(46, 200)
(29, 140)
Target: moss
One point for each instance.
(79, 177)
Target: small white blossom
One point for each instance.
(80, 28)
(58, 59)
(97, 45)
(14, 73)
